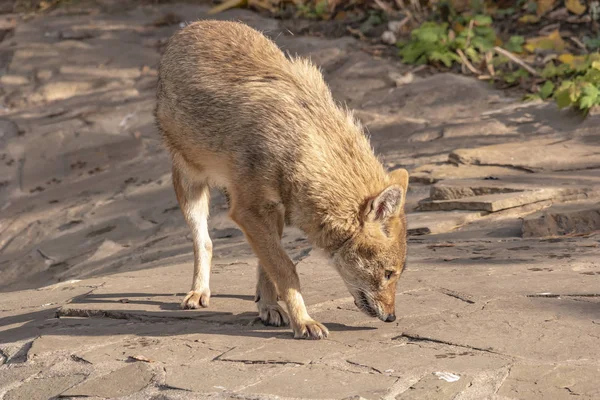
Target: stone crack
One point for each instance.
(417, 338)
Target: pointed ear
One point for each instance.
(400, 177)
(385, 204)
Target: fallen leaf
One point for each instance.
(551, 42)
(571, 60)
(529, 19)
(458, 27)
(543, 6)
(575, 6)
(226, 5)
(341, 16)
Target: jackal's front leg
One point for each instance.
(261, 224)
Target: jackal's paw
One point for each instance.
(310, 329)
(195, 299)
(272, 315)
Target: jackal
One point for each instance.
(235, 113)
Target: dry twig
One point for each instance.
(405, 9)
(516, 60)
(419, 68)
(469, 33)
(357, 33)
(488, 63)
(385, 7)
(578, 42)
(467, 63)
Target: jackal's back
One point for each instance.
(220, 82)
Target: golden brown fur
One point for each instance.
(236, 113)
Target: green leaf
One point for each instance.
(460, 42)
(515, 44)
(401, 43)
(592, 76)
(592, 43)
(549, 71)
(564, 95)
(430, 32)
(374, 19)
(505, 12)
(586, 102)
(590, 96)
(444, 57)
(483, 44)
(552, 71)
(483, 20)
(499, 60)
(547, 89)
(512, 77)
(566, 85)
(563, 98)
(532, 97)
(411, 53)
(321, 8)
(473, 55)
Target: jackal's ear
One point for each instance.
(385, 204)
(400, 177)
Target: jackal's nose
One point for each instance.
(390, 318)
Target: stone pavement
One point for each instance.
(500, 298)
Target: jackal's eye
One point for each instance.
(388, 274)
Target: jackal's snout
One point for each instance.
(375, 309)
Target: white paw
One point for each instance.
(310, 329)
(195, 299)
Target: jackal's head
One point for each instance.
(371, 261)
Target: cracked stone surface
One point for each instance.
(541, 154)
(563, 219)
(119, 383)
(499, 300)
(434, 387)
(43, 388)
